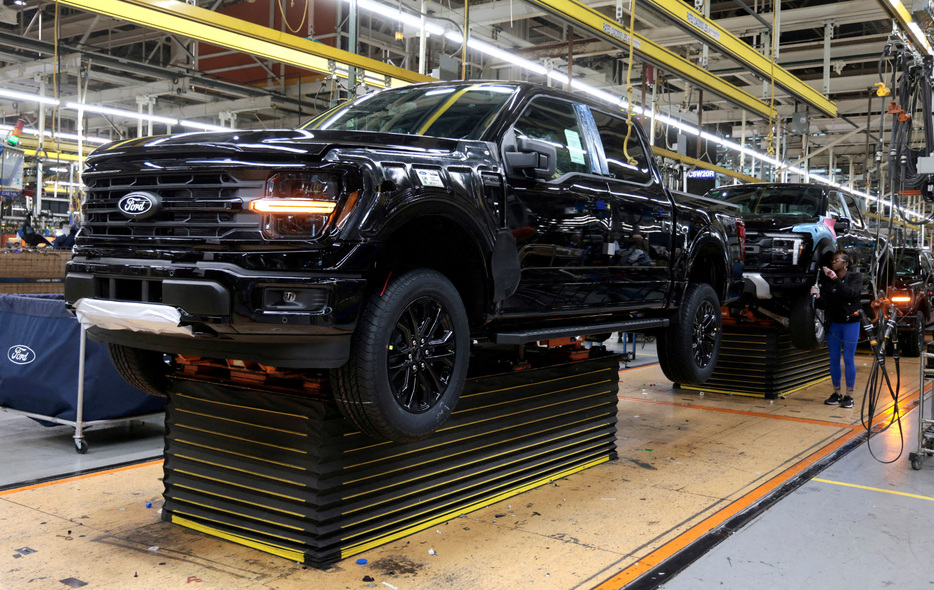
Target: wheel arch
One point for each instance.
(436, 239)
(710, 263)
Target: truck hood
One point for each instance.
(775, 222)
(283, 144)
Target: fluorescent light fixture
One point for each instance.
(204, 126)
(14, 94)
(120, 113)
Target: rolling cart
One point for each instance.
(51, 373)
(925, 408)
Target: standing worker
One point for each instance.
(838, 295)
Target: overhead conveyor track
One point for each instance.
(608, 29)
(694, 23)
(233, 33)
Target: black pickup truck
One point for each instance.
(792, 230)
(390, 236)
(912, 294)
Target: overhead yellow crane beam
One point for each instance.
(897, 11)
(609, 30)
(234, 33)
(693, 22)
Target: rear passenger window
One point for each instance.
(556, 122)
(613, 134)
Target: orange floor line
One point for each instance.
(742, 412)
(79, 477)
(667, 550)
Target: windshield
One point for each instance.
(907, 263)
(773, 200)
(458, 112)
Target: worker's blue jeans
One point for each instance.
(843, 337)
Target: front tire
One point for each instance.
(146, 370)
(914, 340)
(806, 324)
(408, 360)
(689, 348)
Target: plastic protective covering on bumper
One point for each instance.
(152, 318)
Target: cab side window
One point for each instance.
(855, 216)
(835, 207)
(613, 135)
(555, 121)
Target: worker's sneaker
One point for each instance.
(834, 400)
(846, 402)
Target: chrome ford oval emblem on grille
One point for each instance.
(139, 205)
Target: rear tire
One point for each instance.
(689, 348)
(408, 360)
(807, 324)
(146, 370)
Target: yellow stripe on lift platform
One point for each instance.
(240, 515)
(422, 450)
(233, 499)
(354, 549)
(231, 468)
(230, 483)
(244, 455)
(279, 550)
(255, 442)
(448, 482)
(731, 392)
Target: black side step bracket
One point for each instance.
(579, 330)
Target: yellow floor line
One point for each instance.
(853, 485)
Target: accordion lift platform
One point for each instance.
(762, 362)
(285, 473)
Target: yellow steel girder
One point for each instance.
(897, 12)
(234, 33)
(694, 23)
(609, 30)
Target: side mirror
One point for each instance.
(533, 155)
(842, 225)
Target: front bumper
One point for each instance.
(288, 320)
(768, 285)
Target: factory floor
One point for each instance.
(708, 491)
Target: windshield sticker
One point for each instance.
(429, 178)
(574, 146)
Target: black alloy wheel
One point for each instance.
(408, 359)
(689, 348)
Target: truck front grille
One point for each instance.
(195, 207)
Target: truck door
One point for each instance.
(561, 224)
(642, 213)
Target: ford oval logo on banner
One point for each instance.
(139, 205)
(21, 355)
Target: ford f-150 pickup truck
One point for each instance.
(389, 236)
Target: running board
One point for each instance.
(569, 331)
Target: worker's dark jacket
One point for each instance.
(840, 298)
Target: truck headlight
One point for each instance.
(787, 249)
(297, 204)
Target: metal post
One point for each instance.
(352, 47)
(79, 409)
(828, 35)
(423, 42)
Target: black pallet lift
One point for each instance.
(287, 474)
(762, 362)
